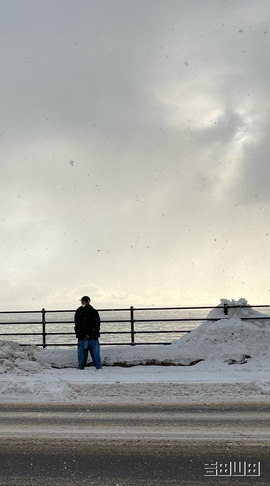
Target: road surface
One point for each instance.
(134, 445)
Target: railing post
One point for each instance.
(44, 328)
(132, 332)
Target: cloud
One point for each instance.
(253, 187)
(134, 149)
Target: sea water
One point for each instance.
(150, 326)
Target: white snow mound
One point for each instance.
(227, 337)
(230, 336)
(18, 359)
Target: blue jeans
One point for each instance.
(91, 345)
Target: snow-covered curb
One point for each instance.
(205, 383)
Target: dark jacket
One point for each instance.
(87, 323)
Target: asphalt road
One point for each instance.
(134, 445)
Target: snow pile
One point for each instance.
(18, 359)
(237, 308)
(230, 337)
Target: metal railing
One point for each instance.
(132, 332)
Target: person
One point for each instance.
(87, 330)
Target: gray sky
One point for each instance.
(134, 152)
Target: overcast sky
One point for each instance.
(134, 152)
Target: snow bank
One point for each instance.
(19, 359)
(228, 337)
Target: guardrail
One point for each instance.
(132, 332)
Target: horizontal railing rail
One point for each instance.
(133, 331)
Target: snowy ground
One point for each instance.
(227, 360)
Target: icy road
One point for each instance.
(129, 444)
